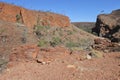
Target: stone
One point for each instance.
(71, 66)
(89, 56)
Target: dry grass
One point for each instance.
(71, 37)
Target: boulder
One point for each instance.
(108, 26)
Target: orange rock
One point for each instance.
(25, 52)
(30, 18)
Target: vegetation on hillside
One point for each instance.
(70, 37)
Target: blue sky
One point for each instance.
(77, 10)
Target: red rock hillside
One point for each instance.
(30, 18)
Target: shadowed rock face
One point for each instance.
(108, 25)
(30, 18)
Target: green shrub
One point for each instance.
(41, 31)
(38, 27)
(96, 54)
(69, 32)
(47, 27)
(18, 18)
(72, 44)
(55, 41)
(42, 43)
(2, 30)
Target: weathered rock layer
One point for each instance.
(30, 18)
(108, 25)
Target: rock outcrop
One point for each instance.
(105, 45)
(30, 18)
(108, 25)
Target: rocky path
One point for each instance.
(69, 67)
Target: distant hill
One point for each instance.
(86, 26)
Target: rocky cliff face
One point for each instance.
(108, 25)
(30, 18)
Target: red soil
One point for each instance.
(61, 64)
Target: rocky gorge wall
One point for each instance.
(108, 25)
(12, 13)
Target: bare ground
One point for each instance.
(54, 63)
(66, 67)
